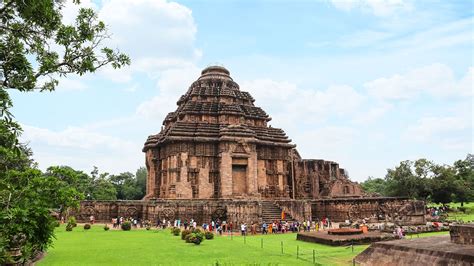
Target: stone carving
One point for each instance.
(131, 212)
(168, 214)
(219, 214)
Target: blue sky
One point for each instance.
(366, 83)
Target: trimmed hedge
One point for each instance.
(126, 226)
(209, 235)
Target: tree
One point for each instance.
(141, 176)
(374, 185)
(464, 182)
(28, 199)
(443, 184)
(401, 181)
(36, 49)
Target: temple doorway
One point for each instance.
(239, 179)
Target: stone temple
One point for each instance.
(216, 157)
(218, 144)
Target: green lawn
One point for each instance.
(141, 247)
(468, 216)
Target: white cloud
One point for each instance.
(287, 103)
(439, 35)
(435, 80)
(82, 148)
(172, 83)
(373, 113)
(156, 34)
(430, 127)
(377, 7)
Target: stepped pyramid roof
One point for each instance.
(203, 114)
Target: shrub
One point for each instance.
(69, 227)
(176, 231)
(209, 235)
(56, 223)
(87, 226)
(189, 238)
(195, 238)
(184, 233)
(148, 227)
(462, 209)
(197, 231)
(126, 226)
(106, 228)
(72, 221)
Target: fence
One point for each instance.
(307, 253)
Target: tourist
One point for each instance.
(270, 228)
(242, 229)
(194, 225)
(224, 226)
(254, 229)
(185, 225)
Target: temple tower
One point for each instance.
(217, 144)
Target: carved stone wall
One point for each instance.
(397, 210)
(400, 211)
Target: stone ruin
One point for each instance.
(456, 249)
(217, 156)
(218, 145)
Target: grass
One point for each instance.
(160, 247)
(454, 214)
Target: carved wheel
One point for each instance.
(220, 214)
(167, 213)
(87, 212)
(131, 212)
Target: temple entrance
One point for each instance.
(239, 179)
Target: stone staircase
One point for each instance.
(271, 212)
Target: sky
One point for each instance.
(365, 83)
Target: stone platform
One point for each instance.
(340, 240)
(436, 250)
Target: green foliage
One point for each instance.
(56, 223)
(423, 179)
(374, 185)
(184, 233)
(209, 235)
(126, 226)
(28, 29)
(32, 34)
(106, 228)
(175, 231)
(69, 227)
(129, 186)
(26, 219)
(72, 221)
(87, 226)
